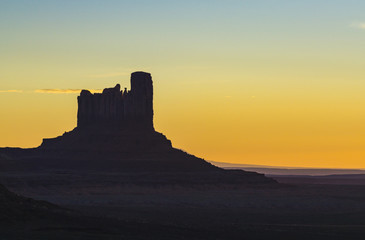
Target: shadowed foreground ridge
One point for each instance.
(115, 133)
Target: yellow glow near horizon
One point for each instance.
(240, 123)
(272, 83)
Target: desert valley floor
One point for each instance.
(285, 211)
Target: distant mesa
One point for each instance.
(115, 134)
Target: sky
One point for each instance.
(266, 82)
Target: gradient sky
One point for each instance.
(277, 82)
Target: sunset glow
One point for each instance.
(251, 82)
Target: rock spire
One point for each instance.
(117, 108)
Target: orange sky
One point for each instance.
(246, 82)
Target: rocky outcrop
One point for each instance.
(116, 108)
(114, 121)
(115, 135)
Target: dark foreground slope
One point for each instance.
(14, 208)
(27, 219)
(292, 212)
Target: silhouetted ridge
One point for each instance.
(15, 208)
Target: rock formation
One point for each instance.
(115, 120)
(121, 109)
(115, 134)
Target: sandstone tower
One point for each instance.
(117, 108)
(115, 134)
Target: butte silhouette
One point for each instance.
(115, 135)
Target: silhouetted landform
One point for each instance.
(13, 206)
(115, 134)
(289, 171)
(126, 181)
(121, 109)
(280, 212)
(26, 218)
(336, 179)
(19, 215)
(269, 213)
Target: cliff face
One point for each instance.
(122, 109)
